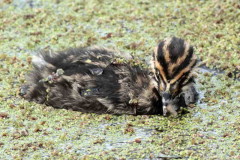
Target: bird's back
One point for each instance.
(91, 80)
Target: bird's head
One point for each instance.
(172, 65)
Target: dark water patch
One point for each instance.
(205, 69)
(235, 74)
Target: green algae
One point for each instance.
(31, 131)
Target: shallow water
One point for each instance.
(209, 131)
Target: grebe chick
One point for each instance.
(95, 80)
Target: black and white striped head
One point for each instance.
(173, 61)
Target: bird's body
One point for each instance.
(94, 80)
(91, 81)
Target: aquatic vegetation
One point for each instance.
(32, 131)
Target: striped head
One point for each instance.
(173, 61)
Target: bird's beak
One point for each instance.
(166, 99)
(168, 107)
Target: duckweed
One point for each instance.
(210, 129)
